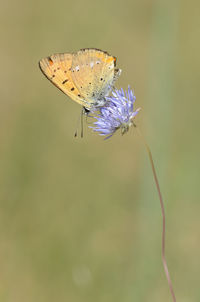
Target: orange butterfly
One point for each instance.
(86, 76)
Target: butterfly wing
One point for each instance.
(93, 72)
(57, 68)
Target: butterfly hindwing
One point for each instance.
(93, 73)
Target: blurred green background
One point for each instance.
(80, 219)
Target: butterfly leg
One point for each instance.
(80, 120)
(84, 111)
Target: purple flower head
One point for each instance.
(118, 113)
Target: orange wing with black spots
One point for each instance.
(57, 69)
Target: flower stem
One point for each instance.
(163, 215)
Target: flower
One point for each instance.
(118, 113)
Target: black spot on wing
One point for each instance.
(65, 81)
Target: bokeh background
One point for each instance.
(80, 219)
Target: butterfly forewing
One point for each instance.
(57, 68)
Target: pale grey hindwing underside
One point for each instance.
(93, 76)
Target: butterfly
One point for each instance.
(86, 76)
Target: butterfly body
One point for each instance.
(86, 76)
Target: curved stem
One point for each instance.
(163, 215)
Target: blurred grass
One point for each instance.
(80, 219)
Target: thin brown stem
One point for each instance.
(163, 216)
